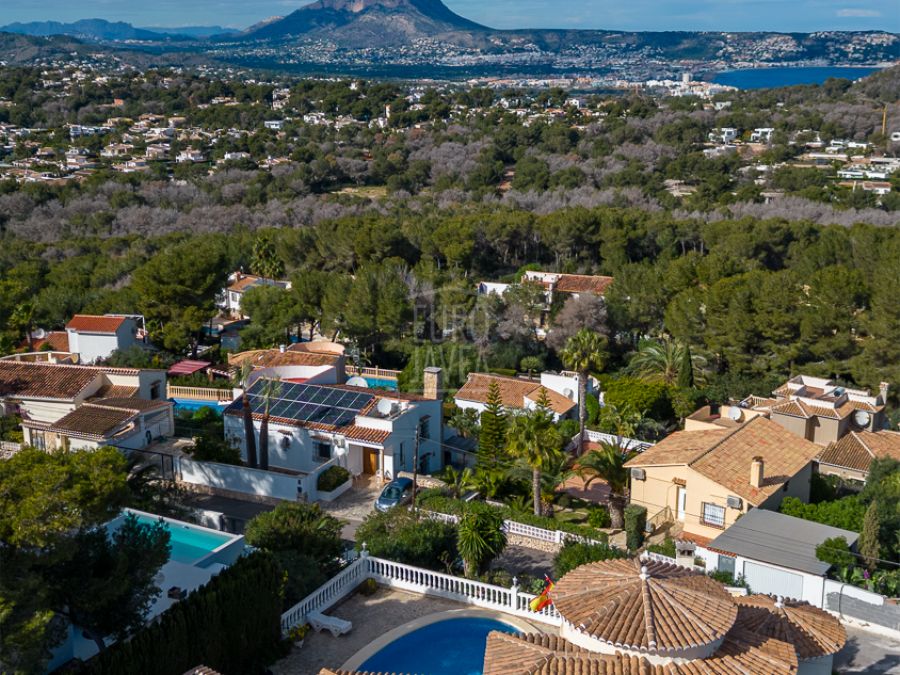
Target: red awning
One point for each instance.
(188, 367)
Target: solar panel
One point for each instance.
(310, 403)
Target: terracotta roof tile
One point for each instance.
(44, 380)
(93, 422)
(725, 456)
(270, 358)
(813, 632)
(745, 651)
(583, 283)
(89, 323)
(57, 341)
(669, 609)
(513, 392)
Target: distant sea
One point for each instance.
(764, 78)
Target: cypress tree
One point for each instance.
(686, 369)
(492, 438)
(870, 537)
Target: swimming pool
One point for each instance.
(381, 383)
(447, 647)
(190, 544)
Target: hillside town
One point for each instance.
(332, 376)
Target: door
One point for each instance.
(681, 503)
(370, 462)
(765, 579)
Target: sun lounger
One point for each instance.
(330, 623)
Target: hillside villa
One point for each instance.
(706, 479)
(518, 394)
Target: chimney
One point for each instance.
(432, 383)
(282, 348)
(757, 472)
(883, 389)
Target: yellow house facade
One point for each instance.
(707, 479)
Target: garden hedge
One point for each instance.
(232, 624)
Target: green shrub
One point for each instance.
(729, 579)
(599, 517)
(506, 372)
(232, 624)
(667, 547)
(368, 587)
(332, 478)
(575, 554)
(846, 513)
(651, 398)
(592, 408)
(398, 535)
(635, 520)
(835, 551)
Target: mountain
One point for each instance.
(354, 23)
(88, 29)
(199, 32)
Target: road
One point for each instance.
(868, 654)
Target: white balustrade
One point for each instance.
(416, 580)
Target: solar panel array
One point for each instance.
(310, 403)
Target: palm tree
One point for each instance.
(479, 537)
(664, 361)
(585, 351)
(458, 481)
(608, 463)
(533, 437)
(249, 434)
(270, 390)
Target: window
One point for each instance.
(423, 427)
(713, 515)
(155, 391)
(726, 564)
(323, 450)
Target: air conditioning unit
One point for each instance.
(734, 502)
(638, 474)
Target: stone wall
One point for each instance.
(886, 615)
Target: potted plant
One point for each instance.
(298, 633)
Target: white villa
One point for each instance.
(520, 394)
(69, 406)
(368, 432)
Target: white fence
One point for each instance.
(659, 557)
(328, 594)
(416, 580)
(599, 437)
(9, 448)
(513, 527)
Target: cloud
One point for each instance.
(858, 13)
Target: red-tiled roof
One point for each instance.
(645, 606)
(513, 392)
(57, 341)
(88, 323)
(813, 632)
(857, 449)
(583, 283)
(725, 456)
(270, 358)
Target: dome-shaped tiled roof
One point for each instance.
(812, 631)
(645, 606)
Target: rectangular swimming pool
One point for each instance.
(190, 544)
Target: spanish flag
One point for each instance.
(543, 600)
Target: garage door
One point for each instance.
(765, 579)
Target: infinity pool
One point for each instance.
(448, 647)
(189, 544)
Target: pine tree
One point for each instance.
(870, 538)
(492, 438)
(686, 369)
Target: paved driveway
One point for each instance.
(868, 654)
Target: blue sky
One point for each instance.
(733, 15)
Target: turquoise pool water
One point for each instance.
(450, 647)
(193, 406)
(189, 544)
(380, 383)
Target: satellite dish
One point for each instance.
(384, 407)
(569, 394)
(40, 334)
(861, 417)
(357, 381)
(735, 413)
